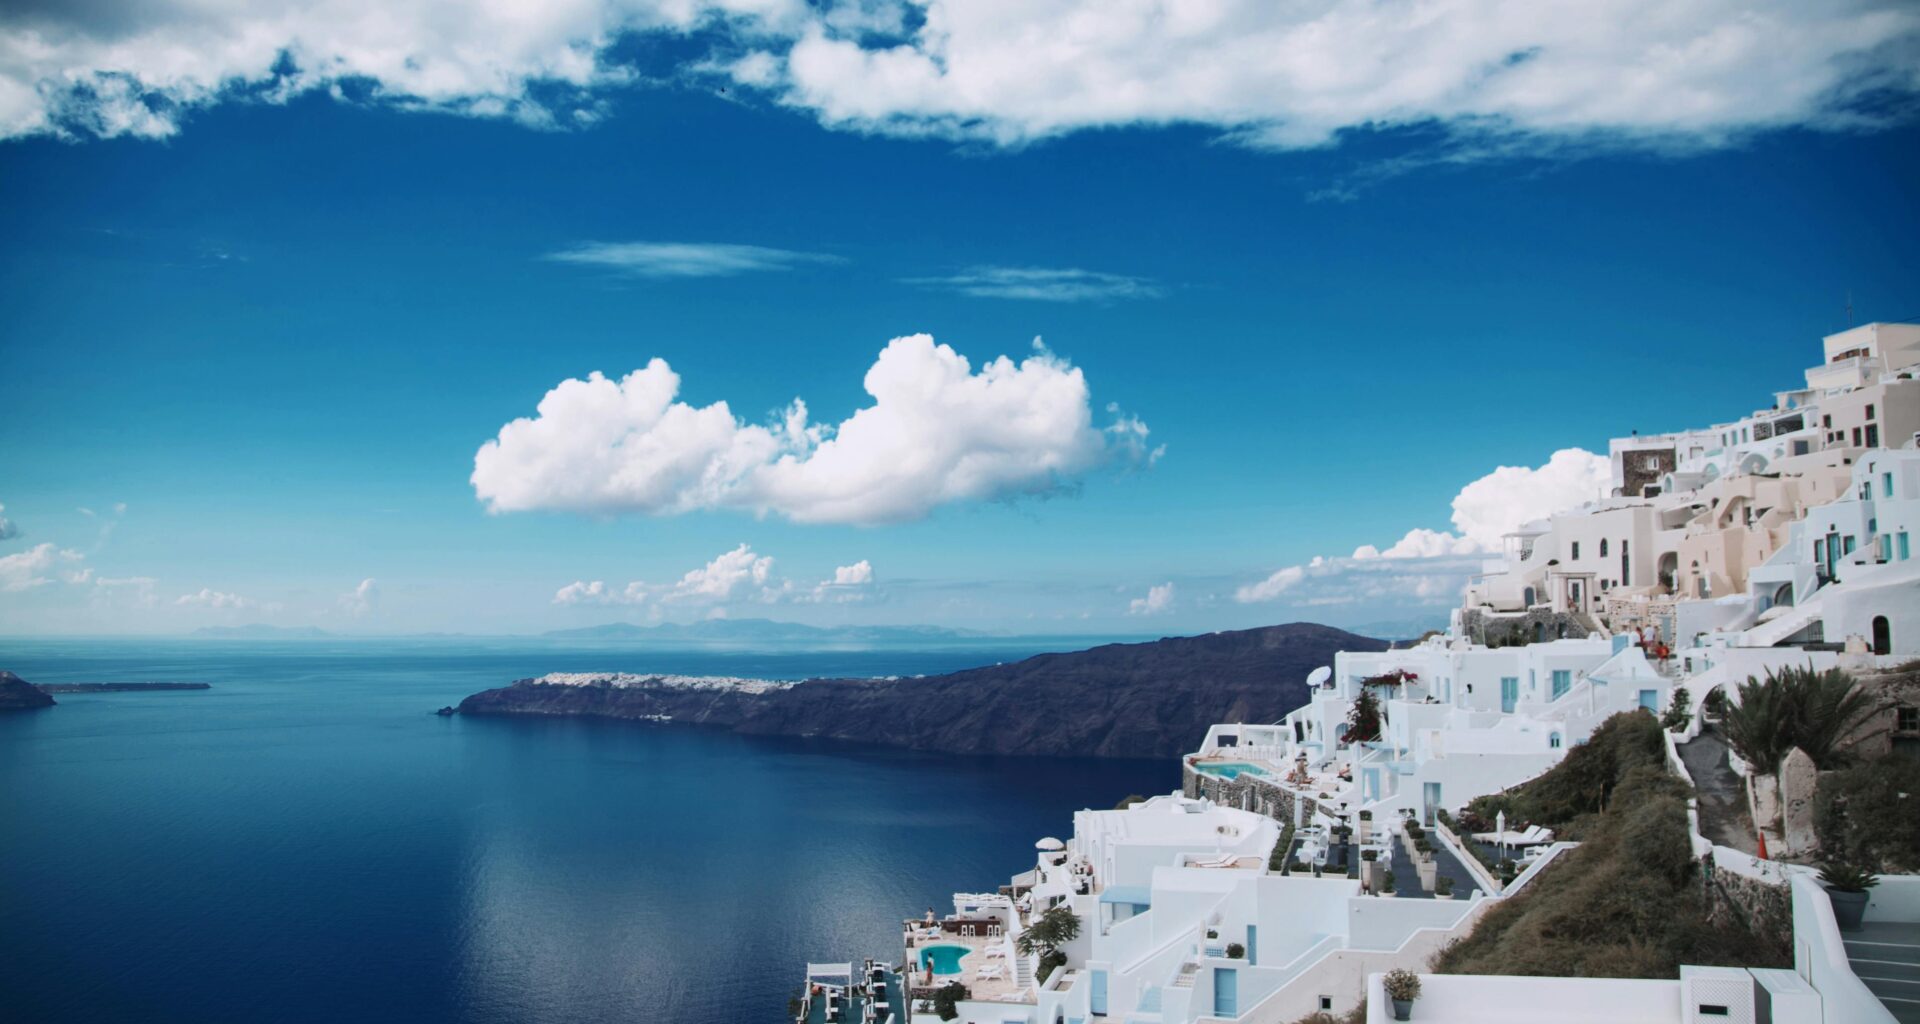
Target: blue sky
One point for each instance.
(275, 333)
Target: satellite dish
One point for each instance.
(1319, 677)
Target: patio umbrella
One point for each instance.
(1049, 845)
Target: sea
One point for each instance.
(307, 842)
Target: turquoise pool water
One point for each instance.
(943, 959)
(1230, 769)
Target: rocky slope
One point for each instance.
(16, 694)
(1147, 700)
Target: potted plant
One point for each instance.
(1403, 987)
(1847, 886)
(1236, 951)
(1387, 889)
(1443, 888)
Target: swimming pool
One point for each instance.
(943, 959)
(1230, 769)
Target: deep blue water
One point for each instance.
(305, 842)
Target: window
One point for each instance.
(1603, 547)
(1847, 545)
(1873, 435)
(1886, 485)
(1553, 741)
(1901, 544)
(1856, 437)
(1869, 412)
(1826, 421)
(1907, 719)
(1576, 550)
(1562, 681)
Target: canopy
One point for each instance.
(1049, 844)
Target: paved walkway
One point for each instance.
(1723, 803)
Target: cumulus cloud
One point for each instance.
(739, 575)
(362, 598)
(8, 531)
(1273, 75)
(937, 432)
(1431, 566)
(1043, 284)
(38, 566)
(210, 598)
(685, 259)
(1159, 599)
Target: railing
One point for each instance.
(1820, 957)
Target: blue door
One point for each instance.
(1650, 699)
(1509, 693)
(1097, 993)
(1562, 681)
(1253, 944)
(1226, 992)
(1432, 799)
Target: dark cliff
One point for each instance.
(16, 694)
(1145, 700)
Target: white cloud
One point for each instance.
(8, 531)
(1043, 284)
(739, 575)
(685, 259)
(1430, 566)
(1693, 73)
(936, 433)
(1281, 581)
(1159, 599)
(135, 590)
(859, 574)
(138, 69)
(38, 566)
(1275, 75)
(723, 578)
(210, 598)
(362, 598)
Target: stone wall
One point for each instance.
(1518, 630)
(1734, 898)
(1246, 793)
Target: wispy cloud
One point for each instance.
(1044, 284)
(686, 259)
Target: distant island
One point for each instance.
(743, 630)
(116, 687)
(1139, 700)
(260, 631)
(16, 694)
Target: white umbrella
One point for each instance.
(1049, 844)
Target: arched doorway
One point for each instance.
(1882, 635)
(1669, 566)
(1783, 597)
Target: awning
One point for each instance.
(1138, 895)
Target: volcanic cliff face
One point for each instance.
(16, 694)
(1146, 700)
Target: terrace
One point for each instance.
(975, 951)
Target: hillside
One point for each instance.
(1140, 700)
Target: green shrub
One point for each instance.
(1627, 903)
(1679, 710)
(1871, 814)
(946, 1000)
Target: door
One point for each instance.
(1097, 993)
(1650, 699)
(1226, 992)
(1432, 800)
(1882, 635)
(1509, 693)
(1253, 944)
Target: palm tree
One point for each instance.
(1795, 707)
